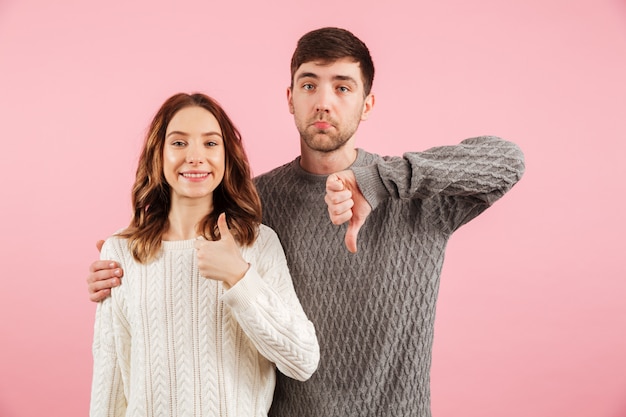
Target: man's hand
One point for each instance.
(103, 275)
(221, 260)
(346, 204)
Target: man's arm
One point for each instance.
(103, 275)
(481, 169)
(476, 173)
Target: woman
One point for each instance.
(207, 310)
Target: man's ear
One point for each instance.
(290, 100)
(368, 105)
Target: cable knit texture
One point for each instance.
(171, 343)
(374, 310)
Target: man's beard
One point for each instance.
(324, 140)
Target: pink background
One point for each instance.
(531, 318)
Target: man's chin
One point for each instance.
(325, 146)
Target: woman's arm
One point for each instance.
(107, 389)
(267, 308)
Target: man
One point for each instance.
(373, 305)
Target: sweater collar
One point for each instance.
(295, 165)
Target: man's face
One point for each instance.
(328, 103)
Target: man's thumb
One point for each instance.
(351, 235)
(99, 245)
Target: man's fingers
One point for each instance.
(99, 290)
(102, 265)
(334, 183)
(340, 208)
(346, 203)
(95, 278)
(103, 284)
(340, 215)
(99, 295)
(336, 197)
(340, 205)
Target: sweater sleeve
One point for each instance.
(267, 308)
(484, 168)
(473, 174)
(107, 389)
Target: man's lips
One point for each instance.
(322, 125)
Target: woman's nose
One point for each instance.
(194, 154)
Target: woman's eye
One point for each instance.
(178, 143)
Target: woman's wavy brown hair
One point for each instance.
(236, 195)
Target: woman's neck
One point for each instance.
(184, 219)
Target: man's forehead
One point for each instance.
(344, 67)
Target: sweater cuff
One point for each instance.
(241, 295)
(369, 182)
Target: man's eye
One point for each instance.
(308, 86)
(344, 89)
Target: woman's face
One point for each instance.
(193, 154)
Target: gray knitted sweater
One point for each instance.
(374, 310)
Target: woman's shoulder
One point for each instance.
(266, 235)
(115, 244)
(266, 241)
(266, 252)
(115, 238)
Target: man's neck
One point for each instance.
(326, 163)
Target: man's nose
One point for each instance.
(324, 97)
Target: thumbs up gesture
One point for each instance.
(346, 203)
(221, 259)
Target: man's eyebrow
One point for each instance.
(344, 78)
(335, 78)
(308, 75)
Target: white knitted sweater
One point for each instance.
(169, 342)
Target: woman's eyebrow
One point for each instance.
(178, 132)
